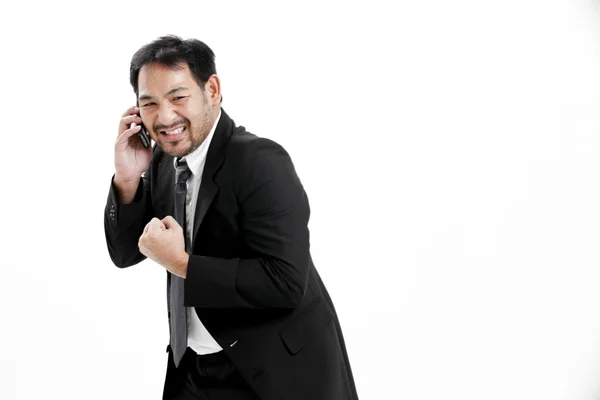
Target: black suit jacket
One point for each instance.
(250, 276)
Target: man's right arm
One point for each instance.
(128, 210)
(128, 207)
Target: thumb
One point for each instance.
(170, 222)
(154, 224)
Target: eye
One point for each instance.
(177, 98)
(148, 104)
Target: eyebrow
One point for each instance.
(178, 88)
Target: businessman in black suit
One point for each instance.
(225, 214)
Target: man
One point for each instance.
(225, 214)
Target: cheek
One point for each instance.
(147, 120)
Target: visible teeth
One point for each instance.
(175, 131)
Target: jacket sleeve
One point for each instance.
(124, 223)
(274, 214)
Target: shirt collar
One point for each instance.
(195, 160)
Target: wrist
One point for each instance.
(126, 189)
(182, 265)
(126, 182)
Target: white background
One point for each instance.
(450, 151)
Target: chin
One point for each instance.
(178, 149)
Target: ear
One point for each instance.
(212, 89)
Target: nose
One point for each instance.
(166, 115)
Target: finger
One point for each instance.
(156, 225)
(128, 120)
(131, 110)
(142, 249)
(147, 228)
(170, 222)
(127, 133)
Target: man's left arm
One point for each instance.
(274, 225)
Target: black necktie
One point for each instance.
(178, 325)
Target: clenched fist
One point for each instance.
(163, 243)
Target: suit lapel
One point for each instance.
(214, 159)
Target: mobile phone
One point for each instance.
(143, 133)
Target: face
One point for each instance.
(177, 113)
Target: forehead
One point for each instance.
(157, 79)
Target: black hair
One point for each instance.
(173, 51)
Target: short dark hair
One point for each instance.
(173, 51)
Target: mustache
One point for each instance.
(161, 127)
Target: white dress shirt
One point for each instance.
(198, 337)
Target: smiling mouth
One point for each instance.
(172, 132)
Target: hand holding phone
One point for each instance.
(131, 158)
(143, 135)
